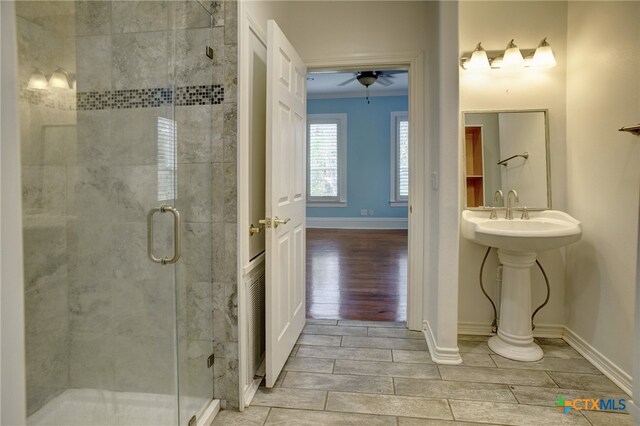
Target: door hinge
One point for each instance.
(192, 421)
(210, 360)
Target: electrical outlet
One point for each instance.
(370, 212)
(363, 212)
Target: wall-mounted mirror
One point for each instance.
(507, 150)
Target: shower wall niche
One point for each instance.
(147, 119)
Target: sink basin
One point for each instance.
(545, 230)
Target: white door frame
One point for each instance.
(13, 405)
(246, 268)
(414, 63)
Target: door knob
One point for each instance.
(254, 229)
(277, 221)
(268, 222)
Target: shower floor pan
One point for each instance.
(94, 407)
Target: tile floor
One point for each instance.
(379, 373)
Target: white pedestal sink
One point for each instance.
(518, 242)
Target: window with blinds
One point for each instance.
(399, 158)
(323, 160)
(167, 167)
(326, 158)
(403, 159)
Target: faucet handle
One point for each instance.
(525, 214)
(494, 214)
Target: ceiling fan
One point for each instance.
(367, 78)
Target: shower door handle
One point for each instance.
(177, 240)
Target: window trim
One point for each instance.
(341, 200)
(395, 199)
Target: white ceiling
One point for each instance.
(326, 85)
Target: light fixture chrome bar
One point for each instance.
(634, 130)
(540, 57)
(504, 162)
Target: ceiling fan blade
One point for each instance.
(391, 72)
(384, 81)
(344, 83)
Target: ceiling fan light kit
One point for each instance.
(367, 78)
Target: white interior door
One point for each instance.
(285, 200)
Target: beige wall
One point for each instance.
(603, 94)
(592, 91)
(494, 24)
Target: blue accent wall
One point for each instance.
(368, 154)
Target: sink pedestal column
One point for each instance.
(515, 337)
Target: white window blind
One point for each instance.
(327, 160)
(323, 160)
(403, 158)
(399, 159)
(167, 167)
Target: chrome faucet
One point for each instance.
(509, 214)
(498, 197)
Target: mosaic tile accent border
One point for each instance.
(93, 100)
(125, 99)
(200, 95)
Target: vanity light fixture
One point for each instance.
(510, 58)
(59, 78)
(38, 81)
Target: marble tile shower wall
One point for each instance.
(112, 309)
(224, 179)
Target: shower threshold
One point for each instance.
(95, 407)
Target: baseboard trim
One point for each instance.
(474, 328)
(358, 223)
(552, 331)
(555, 331)
(207, 416)
(440, 355)
(250, 391)
(601, 362)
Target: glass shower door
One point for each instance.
(111, 336)
(198, 112)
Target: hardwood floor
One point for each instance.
(357, 274)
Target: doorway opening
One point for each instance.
(357, 194)
(254, 265)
